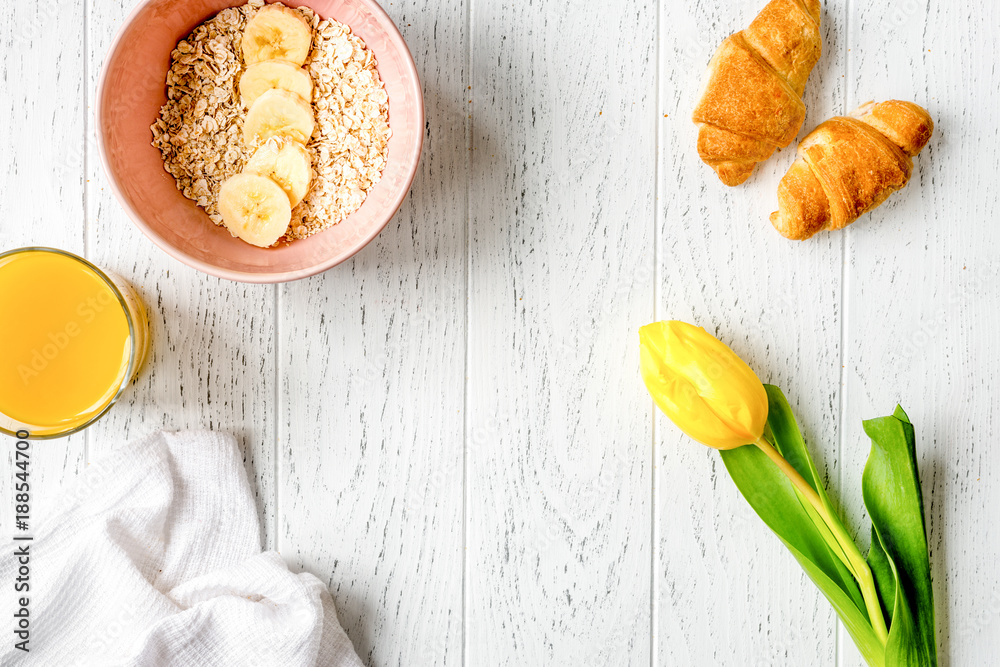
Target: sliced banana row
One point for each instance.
(274, 74)
(277, 33)
(253, 207)
(278, 113)
(287, 163)
(257, 205)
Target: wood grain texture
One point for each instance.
(211, 363)
(372, 393)
(561, 218)
(450, 429)
(923, 295)
(729, 593)
(42, 183)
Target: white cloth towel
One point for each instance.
(153, 558)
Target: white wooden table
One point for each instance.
(450, 429)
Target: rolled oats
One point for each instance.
(200, 127)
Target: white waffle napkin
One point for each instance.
(153, 558)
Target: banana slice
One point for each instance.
(278, 113)
(255, 208)
(287, 163)
(282, 74)
(276, 33)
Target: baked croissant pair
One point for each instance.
(751, 104)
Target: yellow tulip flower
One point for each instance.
(714, 397)
(708, 391)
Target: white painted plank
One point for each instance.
(924, 294)
(373, 374)
(561, 264)
(41, 178)
(212, 363)
(561, 271)
(729, 593)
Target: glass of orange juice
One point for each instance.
(72, 337)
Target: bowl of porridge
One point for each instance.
(260, 142)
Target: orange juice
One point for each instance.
(71, 337)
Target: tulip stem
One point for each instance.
(853, 559)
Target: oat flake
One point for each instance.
(199, 131)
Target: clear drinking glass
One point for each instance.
(72, 337)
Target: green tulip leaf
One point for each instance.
(778, 503)
(885, 580)
(787, 439)
(891, 490)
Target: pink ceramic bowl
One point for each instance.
(129, 97)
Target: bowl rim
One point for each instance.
(413, 158)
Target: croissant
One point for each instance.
(848, 166)
(751, 99)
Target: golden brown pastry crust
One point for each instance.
(751, 100)
(905, 124)
(848, 166)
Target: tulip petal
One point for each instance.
(702, 385)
